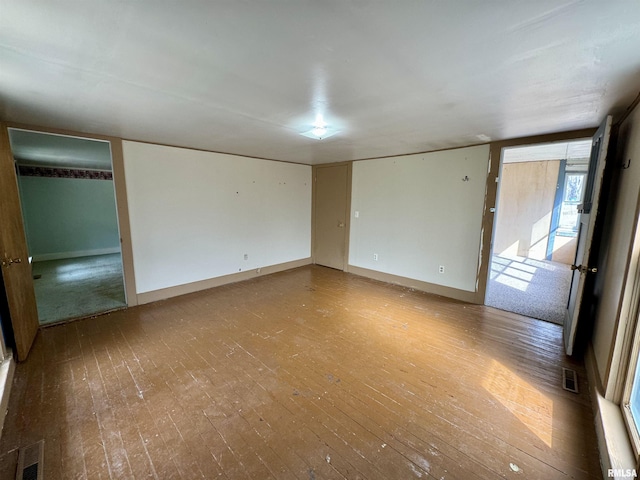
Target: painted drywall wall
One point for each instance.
(417, 213)
(525, 207)
(619, 235)
(195, 215)
(69, 217)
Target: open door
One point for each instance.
(588, 210)
(16, 270)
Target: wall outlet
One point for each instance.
(441, 269)
(375, 257)
(246, 256)
(258, 270)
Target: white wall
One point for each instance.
(194, 215)
(417, 213)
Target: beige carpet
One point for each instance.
(78, 287)
(535, 288)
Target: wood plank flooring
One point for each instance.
(307, 374)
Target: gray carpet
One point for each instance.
(78, 287)
(535, 288)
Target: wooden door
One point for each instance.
(331, 189)
(16, 270)
(588, 211)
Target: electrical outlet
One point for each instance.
(246, 256)
(441, 269)
(375, 257)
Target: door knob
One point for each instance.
(584, 269)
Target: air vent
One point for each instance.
(569, 380)
(30, 462)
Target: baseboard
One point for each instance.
(76, 254)
(613, 440)
(164, 293)
(449, 292)
(6, 378)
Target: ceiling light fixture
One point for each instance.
(320, 129)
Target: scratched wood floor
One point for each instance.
(305, 374)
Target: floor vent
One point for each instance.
(30, 462)
(569, 380)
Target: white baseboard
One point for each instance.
(78, 253)
(613, 440)
(6, 378)
(449, 292)
(164, 293)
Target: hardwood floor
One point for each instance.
(306, 374)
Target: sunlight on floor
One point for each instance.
(512, 273)
(513, 282)
(518, 273)
(535, 288)
(524, 401)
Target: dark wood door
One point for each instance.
(16, 270)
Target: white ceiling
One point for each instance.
(246, 77)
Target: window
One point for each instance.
(572, 197)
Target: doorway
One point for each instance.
(332, 194)
(69, 210)
(536, 228)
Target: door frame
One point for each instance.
(491, 195)
(120, 190)
(347, 227)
